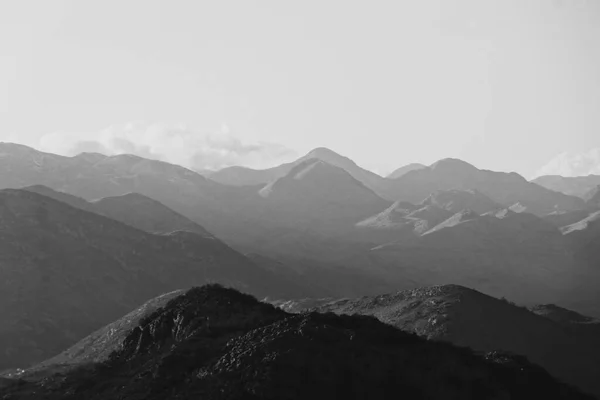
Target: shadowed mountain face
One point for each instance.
(582, 238)
(133, 209)
(503, 253)
(468, 318)
(215, 343)
(574, 186)
(503, 188)
(65, 272)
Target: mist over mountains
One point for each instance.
(88, 239)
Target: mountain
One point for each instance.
(582, 239)
(216, 343)
(305, 233)
(502, 253)
(403, 170)
(65, 272)
(403, 217)
(469, 318)
(133, 209)
(503, 188)
(319, 196)
(213, 206)
(241, 176)
(592, 197)
(455, 200)
(573, 186)
(563, 316)
(237, 215)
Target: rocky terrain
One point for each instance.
(469, 318)
(216, 343)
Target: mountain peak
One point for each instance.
(323, 153)
(453, 164)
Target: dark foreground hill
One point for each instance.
(216, 343)
(469, 318)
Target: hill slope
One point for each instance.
(517, 255)
(65, 272)
(214, 343)
(469, 318)
(133, 209)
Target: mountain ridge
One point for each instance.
(217, 343)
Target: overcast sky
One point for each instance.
(505, 85)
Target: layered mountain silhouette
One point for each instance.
(318, 193)
(133, 209)
(85, 240)
(469, 318)
(574, 186)
(65, 272)
(216, 343)
(503, 188)
(405, 169)
(318, 217)
(246, 176)
(501, 253)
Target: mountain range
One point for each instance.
(87, 239)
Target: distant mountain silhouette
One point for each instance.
(215, 343)
(574, 186)
(469, 318)
(132, 209)
(318, 193)
(321, 215)
(403, 170)
(501, 253)
(246, 176)
(503, 188)
(65, 272)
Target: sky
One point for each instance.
(509, 85)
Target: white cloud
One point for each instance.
(176, 144)
(573, 164)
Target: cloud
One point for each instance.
(573, 164)
(176, 144)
